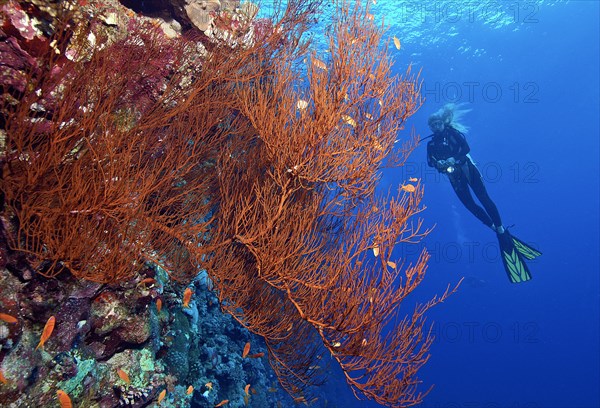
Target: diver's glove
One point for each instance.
(440, 165)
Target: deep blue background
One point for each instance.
(533, 68)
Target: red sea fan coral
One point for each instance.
(99, 155)
(145, 155)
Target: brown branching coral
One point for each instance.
(102, 176)
(234, 166)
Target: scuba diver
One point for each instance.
(448, 152)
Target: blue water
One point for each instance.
(529, 72)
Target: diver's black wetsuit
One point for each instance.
(450, 143)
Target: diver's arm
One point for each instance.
(461, 146)
(438, 164)
(431, 162)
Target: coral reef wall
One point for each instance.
(165, 162)
(124, 339)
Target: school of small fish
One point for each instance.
(64, 399)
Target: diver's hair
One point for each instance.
(450, 114)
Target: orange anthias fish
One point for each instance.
(3, 379)
(247, 389)
(190, 389)
(319, 64)
(158, 305)
(123, 376)
(300, 399)
(301, 104)
(409, 188)
(161, 396)
(349, 120)
(64, 399)
(246, 350)
(220, 404)
(257, 355)
(48, 328)
(187, 296)
(147, 281)
(8, 318)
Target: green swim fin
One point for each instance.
(524, 249)
(513, 259)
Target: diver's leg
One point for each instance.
(461, 187)
(476, 182)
